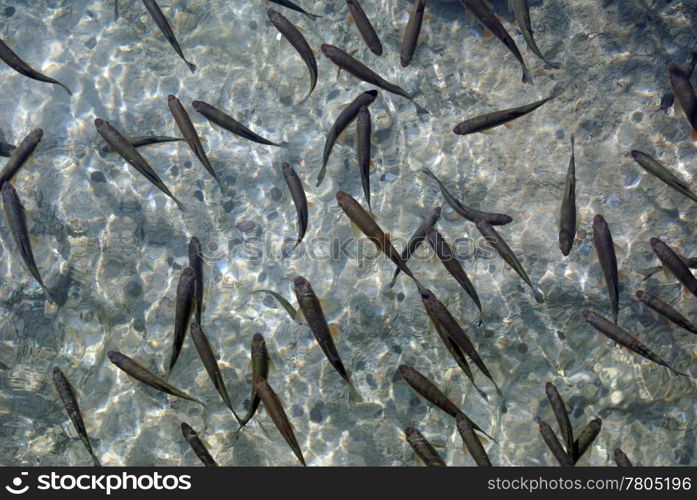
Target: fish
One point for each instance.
(274, 408)
(621, 458)
(363, 128)
(136, 370)
(364, 27)
(552, 442)
(669, 98)
(685, 93)
(472, 442)
(205, 352)
(146, 140)
(488, 121)
(297, 192)
(666, 310)
(416, 239)
(292, 312)
(605, 250)
(229, 123)
(6, 149)
(522, 16)
(21, 154)
(298, 41)
(351, 65)
(450, 262)
(561, 414)
(184, 309)
(675, 264)
(291, 5)
(122, 145)
(67, 396)
(657, 169)
(469, 213)
(17, 64)
(624, 338)
(197, 445)
(567, 216)
(423, 449)
(344, 120)
(196, 263)
(586, 438)
(15, 216)
(507, 254)
(189, 132)
(163, 24)
(116, 9)
(487, 18)
(411, 34)
(260, 368)
(313, 314)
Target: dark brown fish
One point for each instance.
(423, 449)
(605, 250)
(685, 94)
(122, 145)
(675, 264)
(283, 301)
(552, 442)
(472, 442)
(363, 128)
(416, 239)
(522, 17)
(344, 120)
(274, 408)
(197, 445)
(146, 140)
(561, 414)
(669, 98)
(567, 217)
(364, 27)
(411, 33)
(297, 192)
(17, 64)
(657, 169)
(586, 438)
(164, 26)
(624, 338)
(260, 368)
(136, 370)
(621, 459)
(20, 155)
(229, 123)
(184, 309)
(196, 263)
(666, 310)
(291, 5)
(67, 395)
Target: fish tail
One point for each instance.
(527, 77)
(311, 16)
(420, 110)
(553, 64)
(539, 298)
(239, 420)
(70, 92)
(191, 66)
(181, 206)
(95, 460)
(354, 395)
(322, 173)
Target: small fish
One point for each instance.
(469, 213)
(411, 34)
(586, 438)
(485, 16)
(136, 370)
(669, 98)
(656, 168)
(507, 254)
(552, 442)
(472, 442)
(351, 65)
(280, 298)
(205, 352)
(6, 149)
(561, 414)
(364, 27)
(15, 216)
(450, 262)
(605, 250)
(297, 40)
(416, 239)
(20, 155)
(685, 93)
(163, 24)
(363, 128)
(189, 132)
(567, 217)
(146, 140)
(344, 120)
(196, 263)
(274, 408)
(624, 338)
(197, 445)
(291, 5)
(229, 123)
(621, 458)
(423, 449)
(488, 121)
(17, 64)
(260, 368)
(522, 16)
(675, 265)
(122, 145)
(116, 9)
(297, 192)
(184, 309)
(666, 310)
(67, 395)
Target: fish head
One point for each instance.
(115, 356)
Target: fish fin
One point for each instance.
(34, 240)
(202, 139)
(299, 316)
(342, 138)
(349, 18)
(509, 126)
(693, 134)
(355, 230)
(372, 166)
(602, 283)
(272, 364)
(619, 250)
(487, 34)
(427, 17)
(527, 77)
(334, 330)
(328, 306)
(488, 131)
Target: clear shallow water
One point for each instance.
(113, 247)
